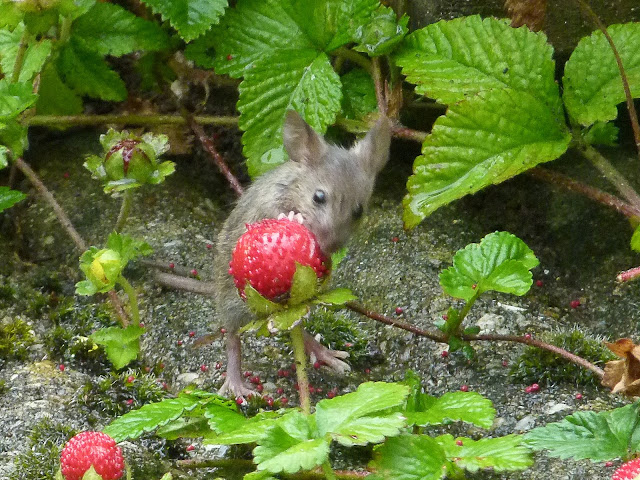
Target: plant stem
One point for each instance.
(133, 299)
(378, 83)
(633, 115)
(22, 49)
(593, 193)
(74, 120)
(125, 209)
(65, 29)
(328, 471)
(354, 57)
(628, 275)
(439, 337)
(297, 339)
(610, 173)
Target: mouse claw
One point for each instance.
(236, 388)
(330, 358)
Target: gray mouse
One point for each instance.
(326, 188)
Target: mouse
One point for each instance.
(324, 186)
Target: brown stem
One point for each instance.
(401, 131)
(378, 82)
(440, 337)
(633, 115)
(67, 226)
(210, 147)
(593, 193)
(628, 275)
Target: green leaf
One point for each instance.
(635, 240)
(302, 80)
(13, 135)
(479, 142)
(88, 73)
(10, 14)
(359, 94)
(111, 30)
(339, 413)
(75, 8)
(597, 436)
(257, 29)
(191, 18)
(338, 296)
(4, 156)
(250, 431)
(500, 262)
(8, 197)
(601, 133)
(592, 84)
(15, 98)
(149, 417)
(289, 446)
(383, 32)
(35, 55)
(129, 248)
(502, 454)
(304, 284)
(122, 345)
(182, 427)
(410, 457)
(452, 60)
(287, 318)
(258, 304)
(54, 97)
(369, 429)
(224, 417)
(451, 407)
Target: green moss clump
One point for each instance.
(114, 395)
(3, 387)
(42, 460)
(339, 333)
(15, 339)
(543, 367)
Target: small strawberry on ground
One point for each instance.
(267, 253)
(628, 471)
(89, 449)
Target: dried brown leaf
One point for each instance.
(623, 376)
(526, 12)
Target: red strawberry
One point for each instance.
(628, 471)
(92, 448)
(267, 253)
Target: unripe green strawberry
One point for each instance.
(628, 471)
(92, 448)
(130, 158)
(267, 253)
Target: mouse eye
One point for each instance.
(320, 197)
(358, 211)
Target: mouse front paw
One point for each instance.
(330, 358)
(235, 387)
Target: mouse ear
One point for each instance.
(373, 149)
(302, 143)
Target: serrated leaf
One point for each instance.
(470, 407)
(256, 29)
(222, 418)
(592, 84)
(10, 14)
(287, 318)
(87, 73)
(13, 135)
(502, 454)
(191, 18)
(338, 296)
(302, 80)
(8, 197)
(127, 247)
(410, 457)
(15, 98)
(149, 417)
(122, 345)
(601, 133)
(111, 30)
(332, 415)
(597, 436)
(369, 429)
(382, 33)
(75, 8)
(359, 94)
(454, 59)
(500, 262)
(54, 97)
(184, 428)
(35, 55)
(304, 284)
(252, 430)
(479, 142)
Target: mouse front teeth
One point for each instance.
(292, 216)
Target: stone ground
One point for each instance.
(581, 246)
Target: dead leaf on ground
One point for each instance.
(526, 12)
(623, 376)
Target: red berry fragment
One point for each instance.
(574, 303)
(223, 331)
(61, 367)
(131, 379)
(459, 443)
(464, 388)
(240, 401)
(331, 394)
(194, 272)
(505, 363)
(172, 265)
(204, 368)
(267, 253)
(539, 283)
(280, 391)
(260, 388)
(247, 374)
(284, 400)
(395, 239)
(192, 333)
(628, 471)
(209, 246)
(444, 354)
(190, 448)
(92, 448)
(527, 336)
(578, 396)
(255, 380)
(317, 365)
(399, 310)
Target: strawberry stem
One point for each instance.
(297, 339)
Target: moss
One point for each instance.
(41, 460)
(114, 395)
(3, 387)
(15, 339)
(543, 367)
(339, 333)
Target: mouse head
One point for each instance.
(333, 185)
